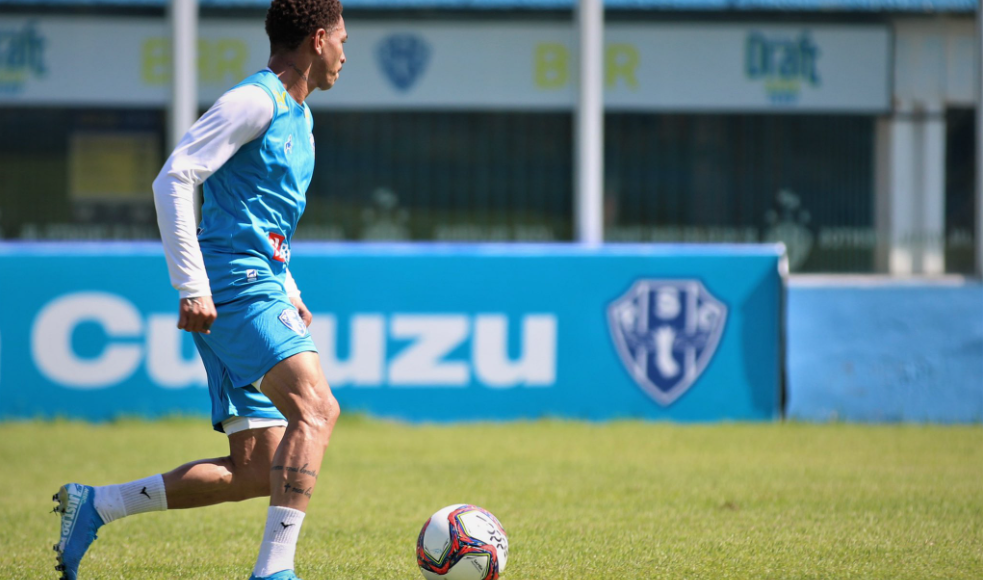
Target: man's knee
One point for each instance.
(297, 387)
(319, 415)
(330, 410)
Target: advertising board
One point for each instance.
(420, 333)
(125, 61)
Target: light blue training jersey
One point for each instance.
(253, 202)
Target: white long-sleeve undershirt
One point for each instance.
(237, 117)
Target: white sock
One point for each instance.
(276, 553)
(113, 502)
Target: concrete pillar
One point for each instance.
(910, 154)
(183, 108)
(910, 191)
(183, 15)
(930, 191)
(589, 126)
(896, 200)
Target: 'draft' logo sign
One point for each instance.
(784, 64)
(666, 332)
(21, 56)
(403, 58)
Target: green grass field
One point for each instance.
(622, 501)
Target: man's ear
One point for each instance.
(318, 39)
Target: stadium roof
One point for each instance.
(908, 6)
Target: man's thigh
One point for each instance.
(297, 386)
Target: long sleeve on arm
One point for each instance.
(238, 117)
(291, 286)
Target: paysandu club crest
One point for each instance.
(666, 332)
(403, 58)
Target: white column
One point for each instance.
(589, 126)
(929, 230)
(183, 109)
(911, 154)
(910, 191)
(900, 199)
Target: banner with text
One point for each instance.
(466, 65)
(430, 333)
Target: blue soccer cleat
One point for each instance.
(284, 575)
(79, 522)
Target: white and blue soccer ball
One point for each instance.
(462, 542)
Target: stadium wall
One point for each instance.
(419, 332)
(879, 350)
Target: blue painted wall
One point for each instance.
(885, 352)
(419, 332)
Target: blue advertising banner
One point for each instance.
(419, 332)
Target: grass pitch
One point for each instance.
(579, 501)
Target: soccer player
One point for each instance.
(254, 152)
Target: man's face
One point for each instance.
(332, 55)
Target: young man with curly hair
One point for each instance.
(254, 152)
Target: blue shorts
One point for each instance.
(249, 337)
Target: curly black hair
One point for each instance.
(289, 22)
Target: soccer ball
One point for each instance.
(462, 542)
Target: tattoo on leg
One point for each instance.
(289, 469)
(298, 490)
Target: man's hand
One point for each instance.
(305, 314)
(196, 314)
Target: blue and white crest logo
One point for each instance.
(404, 58)
(292, 320)
(666, 332)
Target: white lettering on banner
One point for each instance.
(367, 353)
(491, 360)
(51, 344)
(422, 362)
(165, 364)
(428, 358)
(51, 340)
(433, 338)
